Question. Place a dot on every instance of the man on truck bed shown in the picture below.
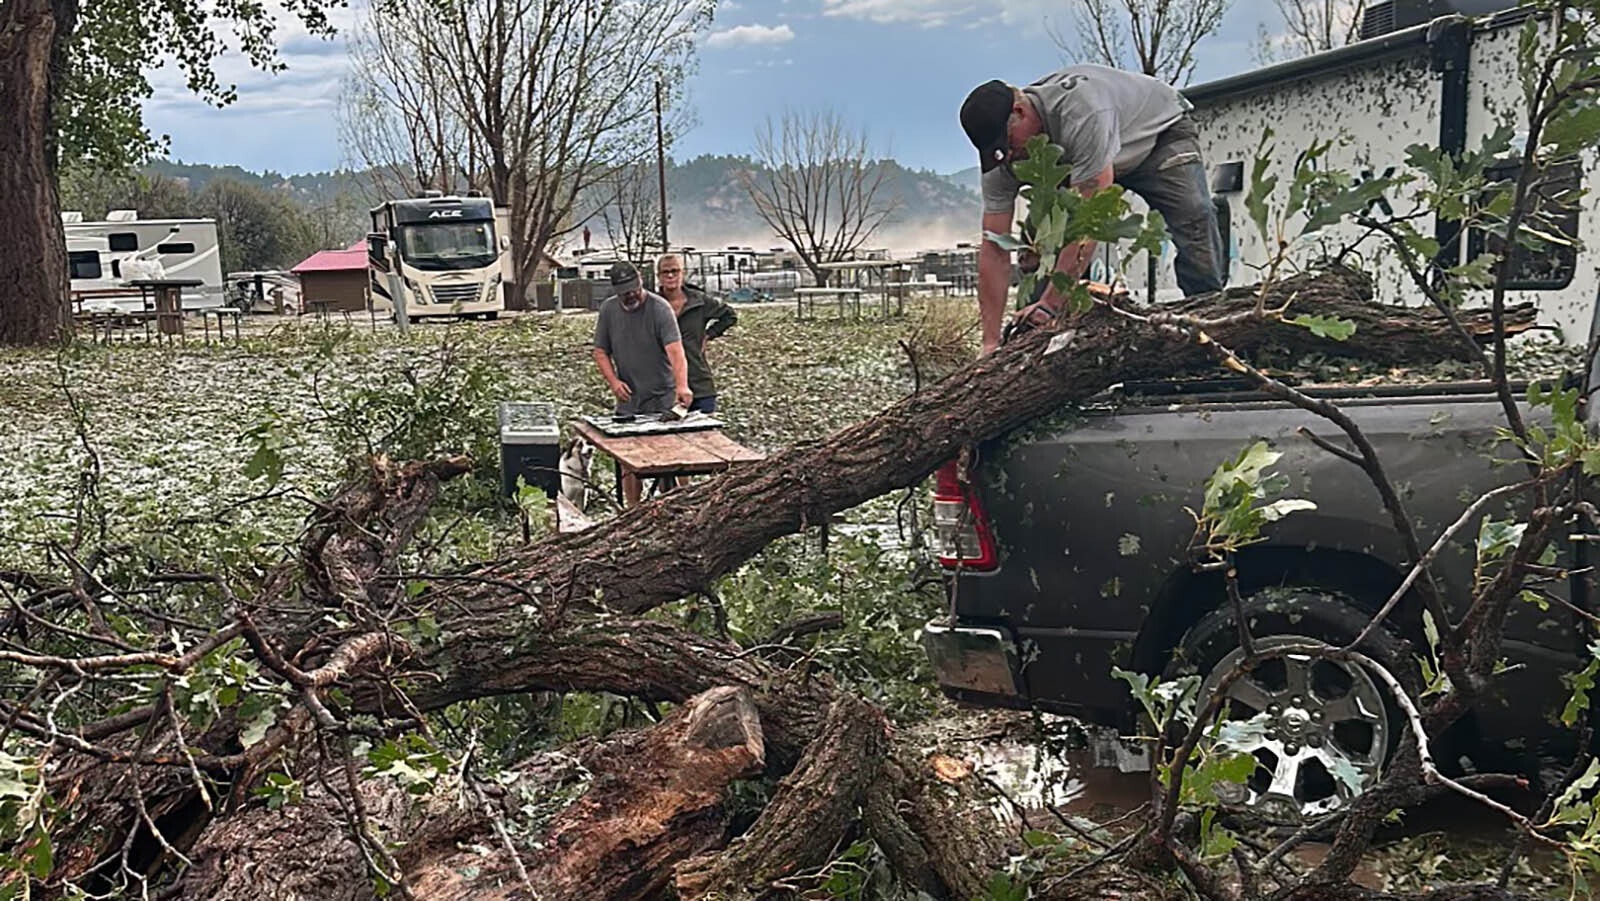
(1112, 126)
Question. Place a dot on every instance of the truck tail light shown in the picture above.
(961, 529)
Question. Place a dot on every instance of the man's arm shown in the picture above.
(680, 372)
(994, 279)
(1075, 258)
(602, 361)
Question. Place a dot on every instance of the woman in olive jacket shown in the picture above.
(701, 317)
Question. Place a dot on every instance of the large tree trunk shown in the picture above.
(33, 250)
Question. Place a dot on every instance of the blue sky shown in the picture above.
(898, 67)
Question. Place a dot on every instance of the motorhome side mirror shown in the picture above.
(505, 242)
(378, 251)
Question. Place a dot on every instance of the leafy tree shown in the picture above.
(71, 79)
(257, 229)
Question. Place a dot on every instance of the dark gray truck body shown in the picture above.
(1094, 563)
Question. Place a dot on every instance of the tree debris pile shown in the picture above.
(291, 741)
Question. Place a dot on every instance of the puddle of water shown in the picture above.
(1040, 770)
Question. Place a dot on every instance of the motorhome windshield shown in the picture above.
(454, 245)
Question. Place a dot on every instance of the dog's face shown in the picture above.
(579, 453)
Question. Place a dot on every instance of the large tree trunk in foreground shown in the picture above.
(536, 622)
(33, 249)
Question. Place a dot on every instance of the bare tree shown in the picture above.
(630, 210)
(532, 101)
(1155, 37)
(817, 187)
(1310, 26)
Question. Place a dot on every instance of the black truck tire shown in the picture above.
(1330, 727)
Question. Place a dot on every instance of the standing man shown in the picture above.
(639, 352)
(701, 318)
(1112, 127)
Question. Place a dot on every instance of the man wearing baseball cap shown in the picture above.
(639, 352)
(1112, 127)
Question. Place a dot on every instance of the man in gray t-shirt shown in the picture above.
(1112, 127)
(639, 352)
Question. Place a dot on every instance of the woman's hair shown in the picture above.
(670, 255)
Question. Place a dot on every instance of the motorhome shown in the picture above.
(1443, 74)
(97, 253)
(451, 253)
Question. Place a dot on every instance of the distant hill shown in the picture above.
(970, 179)
(708, 202)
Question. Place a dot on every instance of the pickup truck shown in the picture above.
(1067, 554)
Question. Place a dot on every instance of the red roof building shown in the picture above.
(336, 276)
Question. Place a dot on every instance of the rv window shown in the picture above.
(1551, 266)
(83, 264)
(123, 241)
(175, 247)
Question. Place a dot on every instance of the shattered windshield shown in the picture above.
(453, 245)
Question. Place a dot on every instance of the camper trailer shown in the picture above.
(98, 252)
(1440, 73)
(451, 252)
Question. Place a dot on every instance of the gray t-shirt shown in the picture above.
(637, 344)
(1097, 116)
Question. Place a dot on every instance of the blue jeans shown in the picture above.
(706, 404)
(1172, 180)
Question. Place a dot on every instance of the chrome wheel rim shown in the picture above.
(1317, 729)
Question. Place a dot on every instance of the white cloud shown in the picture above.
(742, 35)
(934, 13)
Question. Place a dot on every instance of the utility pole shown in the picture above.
(661, 167)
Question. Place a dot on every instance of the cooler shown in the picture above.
(530, 446)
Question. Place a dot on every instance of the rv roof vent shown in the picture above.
(1383, 17)
(1377, 19)
(71, 216)
(122, 216)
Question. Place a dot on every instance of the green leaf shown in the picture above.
(1215, 841)
(1038, 838)
(1326, 326)
(1004, 242)
(1042, 170)
(1573, 129)
(40, 854)
(1590, 777)
(1261, 188)
(1279, 509)
(1340, 768)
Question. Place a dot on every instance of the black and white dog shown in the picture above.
(575, 463)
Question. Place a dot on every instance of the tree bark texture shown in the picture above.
(1384, 334)
(33, 249)
(799, 829)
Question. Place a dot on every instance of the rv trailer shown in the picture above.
(97, 252)
(1425, 74)
(451, 253)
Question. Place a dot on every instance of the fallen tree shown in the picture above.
(141, 794)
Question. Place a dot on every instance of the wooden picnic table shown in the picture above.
(802, 295)
(660, 454)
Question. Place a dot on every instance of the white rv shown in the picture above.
(1420, 76)
(452, 252)
(169, 248)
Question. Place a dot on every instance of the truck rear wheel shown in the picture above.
(1326, 729)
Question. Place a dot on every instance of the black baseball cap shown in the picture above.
(624, 277)
(984, 117)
